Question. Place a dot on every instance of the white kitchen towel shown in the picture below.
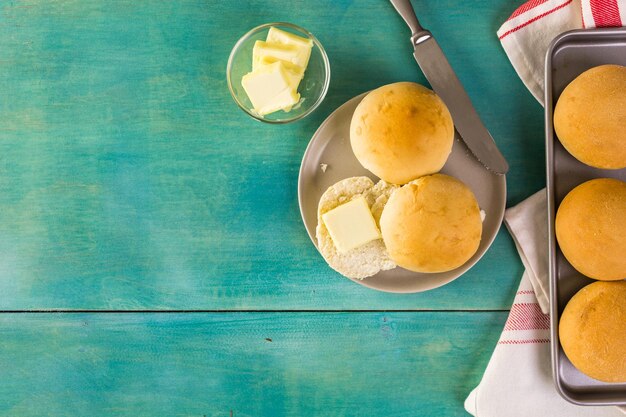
(518, 379)
(528, 224)
(526, 35)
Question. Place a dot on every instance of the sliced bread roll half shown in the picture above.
(365, 260)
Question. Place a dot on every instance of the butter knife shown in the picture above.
(446, 84)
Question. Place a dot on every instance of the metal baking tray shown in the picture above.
(570, 54)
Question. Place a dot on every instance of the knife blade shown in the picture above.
(446, 84)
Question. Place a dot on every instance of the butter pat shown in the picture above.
(270, 88)
(293, 56)
(293, 72)
(278, 66)
(303, 45)
(351, 225)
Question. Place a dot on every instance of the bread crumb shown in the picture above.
(323, 167)
(482, 215)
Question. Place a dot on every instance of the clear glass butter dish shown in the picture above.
(309, 89)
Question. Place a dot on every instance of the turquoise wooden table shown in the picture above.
(152, 256)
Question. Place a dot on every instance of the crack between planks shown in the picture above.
(218, 311)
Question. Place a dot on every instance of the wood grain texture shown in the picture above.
(255, 364)
(130, 180)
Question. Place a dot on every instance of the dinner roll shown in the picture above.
(592, 331)
(365, 260)
(591, 228)
(590, 117)
(431, 224)
(401, 131)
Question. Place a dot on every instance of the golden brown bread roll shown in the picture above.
(402, 131)
(591, 228)
(592, 331)
(590, 117)
(431, 224)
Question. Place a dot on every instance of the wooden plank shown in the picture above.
(130, 180)
(247, 364)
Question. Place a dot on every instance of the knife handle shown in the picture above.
(405, 9)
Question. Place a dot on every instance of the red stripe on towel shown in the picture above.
(534, 19)
(523, 342)
(605, 13)
(529, 5)
(527, 316)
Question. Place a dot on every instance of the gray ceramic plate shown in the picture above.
(330, 146)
